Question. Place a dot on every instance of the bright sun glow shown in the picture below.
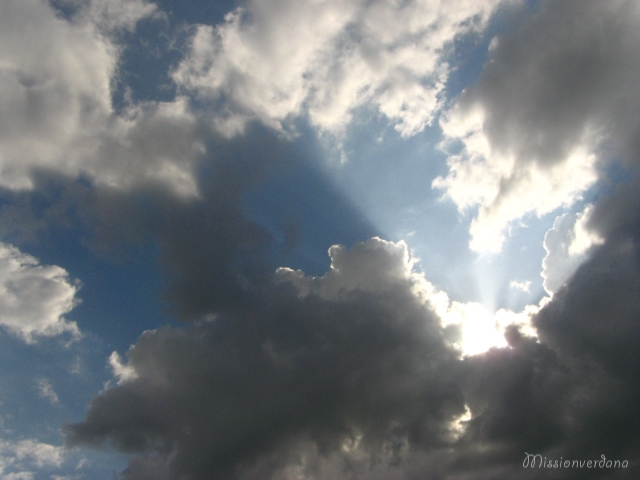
(480, 329)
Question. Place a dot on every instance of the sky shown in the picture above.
(319, 239)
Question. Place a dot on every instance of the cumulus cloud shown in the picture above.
(354, 373)
(348, 375)
(555, 101)
(34, 297)
(276, 60)
(361, 372)
(56, 81)
(472, 328)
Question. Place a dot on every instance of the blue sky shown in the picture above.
(281, 240)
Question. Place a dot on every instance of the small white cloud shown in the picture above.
(34, 297)
(76, 366)
(524, 286)
(45, 388)
(124, 372)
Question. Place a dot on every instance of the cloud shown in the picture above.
(568, 244)
(556, 101)
(17, 459)
(274, 61)
(349, 371)
(56, 91)
(45, 388)
(121, 371)
(471, 328)
(355, 374)
(592, 323)
(111, 15)
(524, 286)
(359, 373)
(348, 375)
(34, 297)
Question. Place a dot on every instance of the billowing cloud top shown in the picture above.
(275, 60)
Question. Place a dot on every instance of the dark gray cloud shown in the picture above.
(593, 324)
(567, 70)
(366, 367)
(348, 376)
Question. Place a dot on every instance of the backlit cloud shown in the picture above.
(56, 86)
(276, 60)
(554, 103)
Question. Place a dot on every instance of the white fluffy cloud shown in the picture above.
(56, 78)
(34, 297)
(557, 98)
(275, 59)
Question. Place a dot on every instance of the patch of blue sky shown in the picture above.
(44, 386)
(119, 295)
(306, 210)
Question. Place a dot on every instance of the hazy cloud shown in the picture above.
(19, 459)
(45, 388)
